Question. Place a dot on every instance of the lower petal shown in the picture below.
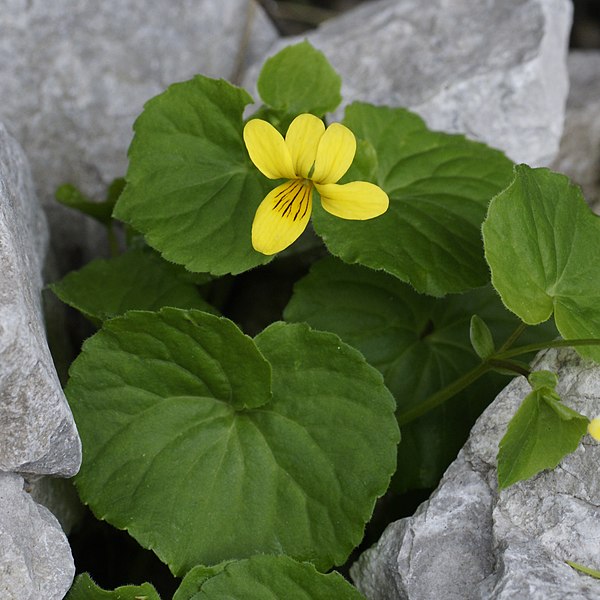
(282, 216)
(358, 200)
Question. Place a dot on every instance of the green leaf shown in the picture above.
(540, 434)
(541, 240)
(562, 410)
(137, 279)
(481, 337)
(115, 189)
(191, 188)
(265, 578)
(69, 195)
(365, 164)
(190, 586)
(539, 380)
(419, 343)
(84, 588)
(299, 79)
(439, 187)
(193, 447)
(584, 569)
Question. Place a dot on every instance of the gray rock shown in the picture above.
(60, 497)
(493, 70)
(38, 432)
(35, 558)
(470, 542)
(76, 74)
(579, 155)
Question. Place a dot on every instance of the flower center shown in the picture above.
(294, 200)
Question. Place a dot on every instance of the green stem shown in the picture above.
(512, 338)
(584, 569)
(510, 365)
(500, 359)
(113, 243)
(549, 344)
(494, 361)
(444, 394)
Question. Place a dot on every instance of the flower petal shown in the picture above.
(302, 139)
(335, 154)
(358, 200)
(282, 216)
(268, 150)
(594, 428)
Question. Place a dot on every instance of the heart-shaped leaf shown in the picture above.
(542, 242)
(264, 578)
(138, 279)
(419, 343)
(191, 188)
(208, 446)
(439, 187)
(299, 79)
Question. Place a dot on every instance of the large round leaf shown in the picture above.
(439, 187)
(419, 343)
(191, 188)
(208, 446)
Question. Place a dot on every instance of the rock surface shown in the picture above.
(579, 155)
(74, 77)
(76, 74)
(38, 432)
(60, 497)
(493, 70)
(35, 558)
(470, 542)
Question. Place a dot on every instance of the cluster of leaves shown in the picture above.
(251, 465)
(263, 577)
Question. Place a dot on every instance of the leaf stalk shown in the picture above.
(498, 360)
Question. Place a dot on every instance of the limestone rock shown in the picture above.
(493, 70)
(470, 542)
(35, 558)
(38, 433)
(60, 497)
(76, 74)
(579, 155)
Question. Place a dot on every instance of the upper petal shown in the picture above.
(335, 154)
(268, 150)
(282, 216)
(302, 139)
(358, 200)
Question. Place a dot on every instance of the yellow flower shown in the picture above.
(309, 157)
(594, 428)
